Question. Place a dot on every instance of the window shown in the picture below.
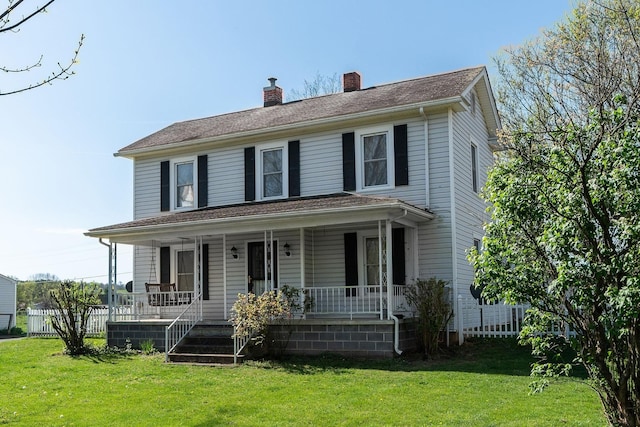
(372, 261)
(272, 173)
(375, 159)
(477, 244)
(374, 155)
(185, 270)
(184, 185)
(474, 168)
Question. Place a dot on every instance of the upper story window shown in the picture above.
(184, 185)
(272, 173)
(374, 156)
(375, 159)
(474, 168)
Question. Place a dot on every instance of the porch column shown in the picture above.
(224, 275)
(389, 253)
(302, 271)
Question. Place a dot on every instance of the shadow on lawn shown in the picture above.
(488, 356)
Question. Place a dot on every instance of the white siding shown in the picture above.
(146, 188)
(470, 208)
(7, 302)
(434, 236)
(321, 164)
(213, 308)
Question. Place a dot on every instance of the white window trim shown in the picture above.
(359, 149)
(173, 182)
(285, 169)
(174, 259)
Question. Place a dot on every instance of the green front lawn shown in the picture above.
(485, 384)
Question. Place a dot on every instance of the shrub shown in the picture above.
(74, 301)
(251, 314)
(430, 300)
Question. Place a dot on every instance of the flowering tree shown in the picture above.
(565, 197)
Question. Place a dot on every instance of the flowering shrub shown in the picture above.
(251, 314)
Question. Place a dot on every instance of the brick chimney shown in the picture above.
(272, 94)
(351, 81)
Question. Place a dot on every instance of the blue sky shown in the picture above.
(148, 63)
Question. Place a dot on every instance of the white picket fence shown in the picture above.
(39, 321)
(495, 320)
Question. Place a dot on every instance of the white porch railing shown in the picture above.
(182, 324)
(151, 305)
(352, 300)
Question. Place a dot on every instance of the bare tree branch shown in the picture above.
(63, 72)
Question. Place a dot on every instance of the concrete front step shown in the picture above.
(203, 358)
(205, 344)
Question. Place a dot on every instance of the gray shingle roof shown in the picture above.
(309, 205)
(408, 92)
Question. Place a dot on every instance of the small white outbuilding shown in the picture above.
(8, 295)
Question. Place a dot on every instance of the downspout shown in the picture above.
(110, 306)
(396, 321)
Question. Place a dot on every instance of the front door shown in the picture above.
(262, 267)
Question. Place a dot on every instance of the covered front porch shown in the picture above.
(349, 256)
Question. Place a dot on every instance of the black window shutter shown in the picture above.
(351, 262)
(205, 271)
(294, 168)
(165, 264)
(401, 154)
(203, 181)
(397, 256)
(165, 204)
(249, 174)
(348, 161)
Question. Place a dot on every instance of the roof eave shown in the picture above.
(273, 221)
(455, 100)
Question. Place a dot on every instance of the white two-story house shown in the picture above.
(348, 197)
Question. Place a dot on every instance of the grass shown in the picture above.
(484, 384)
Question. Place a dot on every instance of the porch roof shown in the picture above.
(340, 208)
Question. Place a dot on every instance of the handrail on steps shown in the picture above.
(182, 324)
(239, 343)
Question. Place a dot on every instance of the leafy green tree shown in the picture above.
(565, 197)
(75, 302)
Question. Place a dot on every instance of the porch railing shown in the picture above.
(151, 305)
(351, 300)
(182, 324)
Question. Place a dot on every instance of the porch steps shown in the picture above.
(207, 344)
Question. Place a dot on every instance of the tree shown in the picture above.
(320, 85)
(74, 302)
(8, 24)
(565, 198)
